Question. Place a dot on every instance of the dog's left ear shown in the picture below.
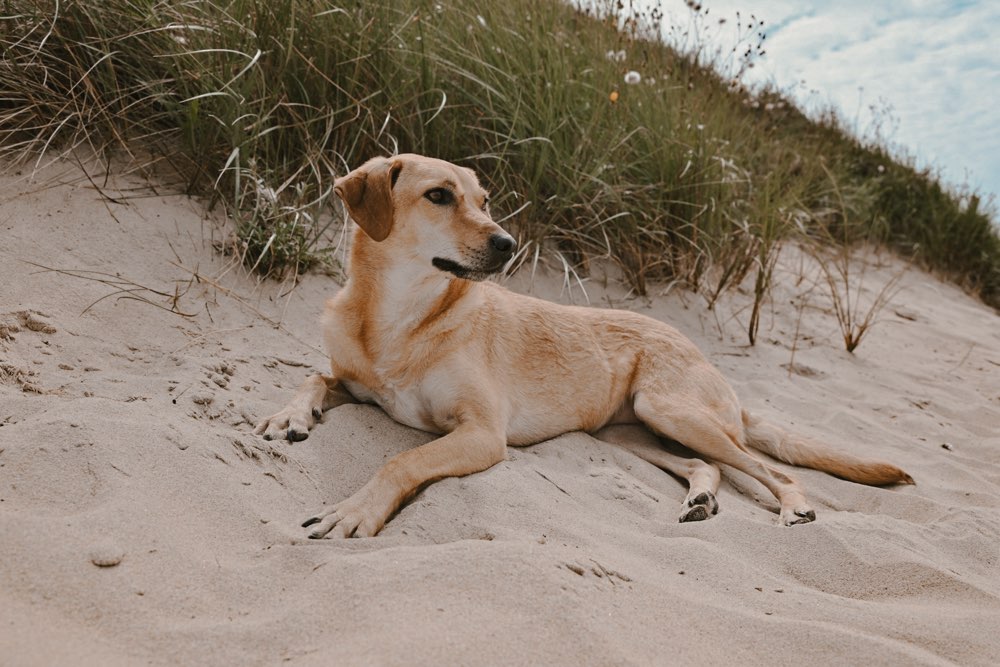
(367, 192)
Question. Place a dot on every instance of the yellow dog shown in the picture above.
(418, 331)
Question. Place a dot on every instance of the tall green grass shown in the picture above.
(684, 176)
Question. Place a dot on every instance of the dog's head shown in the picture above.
(427, 210)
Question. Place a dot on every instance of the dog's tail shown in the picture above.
(799, 451)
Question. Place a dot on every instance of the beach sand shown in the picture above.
(141, 521)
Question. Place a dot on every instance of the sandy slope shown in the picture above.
(124, 433)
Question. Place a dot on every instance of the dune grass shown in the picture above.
(683, 176)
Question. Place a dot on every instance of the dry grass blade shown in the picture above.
(123, 289)
(199, 278)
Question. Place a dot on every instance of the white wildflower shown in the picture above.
(881, 169)
(266, 193)
(633, 77)
(616, 56)
(482, 21)
(769, 107)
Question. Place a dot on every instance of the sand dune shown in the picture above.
(125, 440)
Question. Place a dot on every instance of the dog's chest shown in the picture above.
(388, 381)
(407, 405)
(385, 362)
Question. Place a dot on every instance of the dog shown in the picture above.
(418, 331)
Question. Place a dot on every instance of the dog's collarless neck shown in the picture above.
(401, 304)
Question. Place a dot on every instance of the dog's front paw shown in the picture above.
(292, 423)
(348, 518)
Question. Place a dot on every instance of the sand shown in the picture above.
(141, 521)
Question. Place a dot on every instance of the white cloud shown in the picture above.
(934, 63)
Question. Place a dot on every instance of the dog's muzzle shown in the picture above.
(498, 251)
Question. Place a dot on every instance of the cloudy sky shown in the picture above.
(935, 63)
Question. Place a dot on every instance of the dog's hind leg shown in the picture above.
(702, 478)
(317, 394)
(706, 432)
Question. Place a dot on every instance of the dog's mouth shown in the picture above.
(466, 272)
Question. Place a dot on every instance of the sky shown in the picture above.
(934, 64)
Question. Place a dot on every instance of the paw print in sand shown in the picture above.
(24, 378)
(10, 324)
(220, 373)
(217, 375)
(32, 320)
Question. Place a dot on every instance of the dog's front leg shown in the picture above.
(316, 395)
(469, 448)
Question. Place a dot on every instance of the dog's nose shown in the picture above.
(503, 244)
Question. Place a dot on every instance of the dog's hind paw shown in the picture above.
(797, 516)
(702, 506)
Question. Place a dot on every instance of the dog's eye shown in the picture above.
(439, 196)
(486, 205)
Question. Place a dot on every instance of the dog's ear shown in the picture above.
(367, 192)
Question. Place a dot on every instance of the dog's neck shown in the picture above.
(400, 298)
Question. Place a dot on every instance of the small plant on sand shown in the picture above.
(281, 228)
(844, 268)
(844, 273)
